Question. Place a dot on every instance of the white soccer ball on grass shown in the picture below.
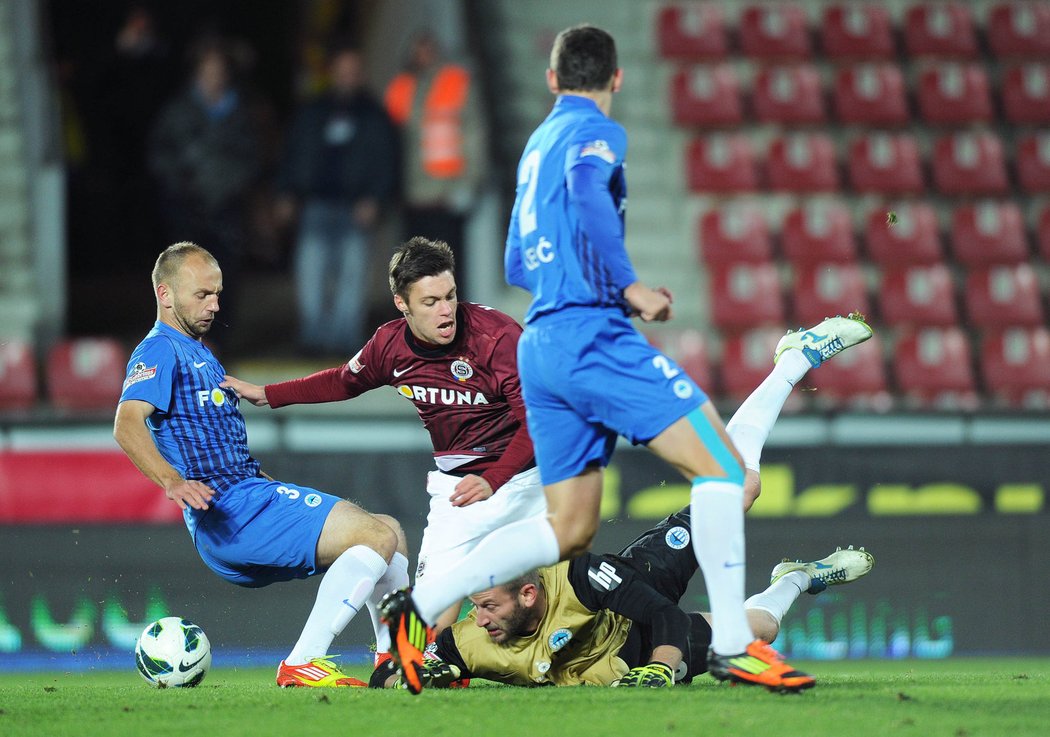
(173, 653)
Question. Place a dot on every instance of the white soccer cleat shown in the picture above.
(840, 567)
(821, 342)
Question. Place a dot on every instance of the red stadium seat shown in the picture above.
(788, 94)
(1020, 30)
(688, 348)
(822, 290)
(86, 373)
(886, 163)
(692, 31)
(934, 367)
(871, 94)
(18, 380)
(733, 234)
(969, 163)
(988, 233)
(857, 31)
(856, 379)
(918, 296)
(940, 29)
(1043, 233)
(747, 359)
(819, 232)
(1004, 296)
(774, 32)
(1026, 94)
(803, 162)
(951, 94)
(1015, 366)
(706, 96)
(722, 163)
(745, 296)
(913, 239)
(1033, 162)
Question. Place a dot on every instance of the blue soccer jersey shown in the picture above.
(548, 251)
(197, 426)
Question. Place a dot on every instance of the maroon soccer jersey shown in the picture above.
(467, 393)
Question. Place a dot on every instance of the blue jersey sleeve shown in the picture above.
(589, 193)
(150, 373)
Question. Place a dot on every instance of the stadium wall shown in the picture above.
(957, 536)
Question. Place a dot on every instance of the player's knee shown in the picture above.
(575, 535)
(399, 532)
(382, 538)
(763, 624)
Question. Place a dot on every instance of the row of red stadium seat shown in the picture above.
(747, 295)
(868, 94)
(854, 30)
(927, 367)
(80, 374)
(965, 163)
(980, 234)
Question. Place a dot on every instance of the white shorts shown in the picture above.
(452, 532)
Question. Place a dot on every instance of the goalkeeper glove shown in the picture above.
(653, 675)
(438, 674)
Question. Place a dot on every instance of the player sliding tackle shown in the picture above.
(555, 626)
(587, 376)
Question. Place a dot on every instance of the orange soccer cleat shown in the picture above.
(318, 673)
(759, 665)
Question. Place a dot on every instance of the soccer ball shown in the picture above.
(172, 653)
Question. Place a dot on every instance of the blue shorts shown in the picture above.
(587, 376)
(258, 531)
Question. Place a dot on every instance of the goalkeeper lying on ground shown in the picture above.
(610, 619)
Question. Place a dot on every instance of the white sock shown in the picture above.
(395, 579)
(508, 552)
(717, 510)
(343, 591)
(751, 424)
(778, 598)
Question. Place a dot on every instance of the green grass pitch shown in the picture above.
(954, 698)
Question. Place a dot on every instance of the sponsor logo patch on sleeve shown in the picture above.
(139, 372)
(600, 149)
(355, 363)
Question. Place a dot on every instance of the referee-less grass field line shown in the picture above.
(954, 698)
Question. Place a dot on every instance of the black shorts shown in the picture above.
(664, 557)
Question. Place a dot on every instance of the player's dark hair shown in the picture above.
(531, 577)
(583, 58)
(416, 258)
(171, 259)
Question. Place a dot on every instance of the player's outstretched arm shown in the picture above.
(253, 393)
(131, 434)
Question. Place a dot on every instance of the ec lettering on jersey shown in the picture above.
(604, 576)
(434, 395)
(139, 372)
(541, 253)
(216, 396)
(600, 149)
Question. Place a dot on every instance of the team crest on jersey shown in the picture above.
(559, 639)
(600, 149)
(461, 370)
(312, 500)
(677, 538)
(139, 372)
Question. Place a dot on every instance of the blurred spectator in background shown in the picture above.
(436, 103)
(132, 84)
(203, 153)
(339, 169)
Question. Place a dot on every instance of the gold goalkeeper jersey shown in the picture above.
(572, 645)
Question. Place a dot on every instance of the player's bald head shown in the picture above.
(173, 257)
